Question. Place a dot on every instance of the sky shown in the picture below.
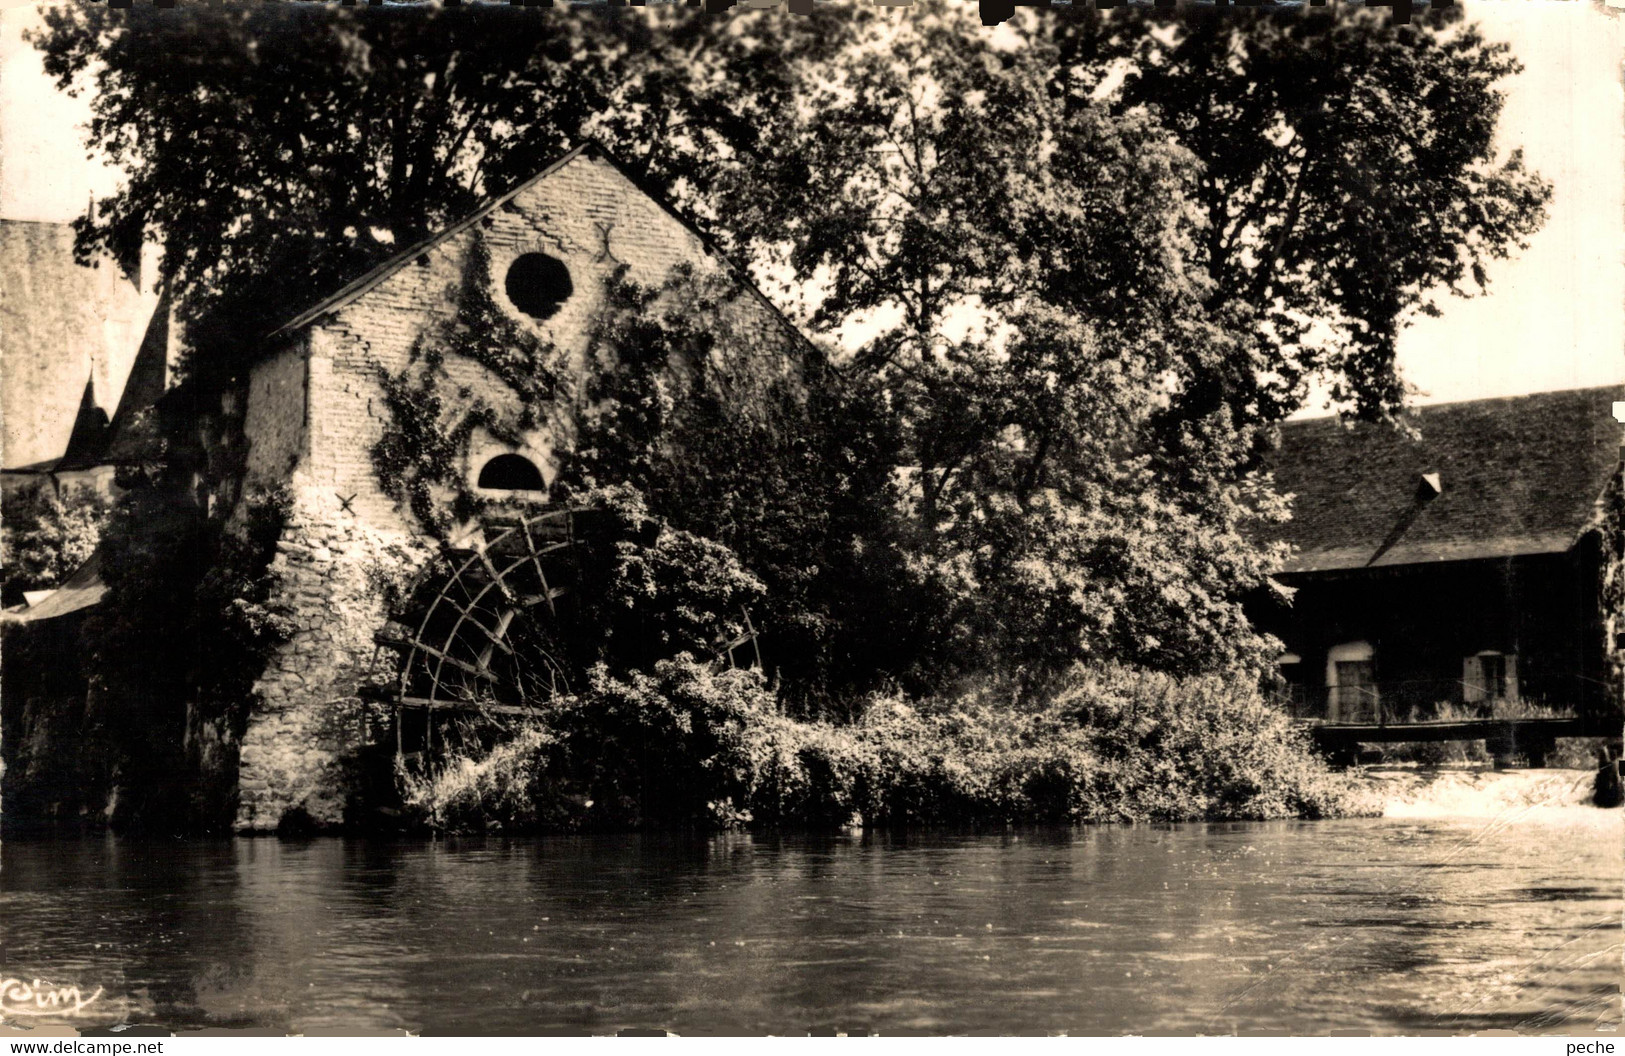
(1554, 316)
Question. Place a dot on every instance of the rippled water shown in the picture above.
(1391, 925)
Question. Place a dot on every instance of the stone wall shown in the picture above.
(309, 730)
(318, 407)
(274, 417)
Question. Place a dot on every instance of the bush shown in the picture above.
(507, 787)
(1205, 746)
(46, 536)
(692, 746)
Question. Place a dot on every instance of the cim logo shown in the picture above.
(19, 998)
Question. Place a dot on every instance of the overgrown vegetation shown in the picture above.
(185, 629)
(1611, 541)
(1037, 466)
(45, 535)
(687, 745)
(420, 457)
(745, 435)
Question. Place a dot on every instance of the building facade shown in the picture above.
(1463, 560)
(315, 408)
(79, 364)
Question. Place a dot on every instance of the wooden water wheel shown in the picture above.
(485, 634)
(496, 629)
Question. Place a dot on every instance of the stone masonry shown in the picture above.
(315, 410)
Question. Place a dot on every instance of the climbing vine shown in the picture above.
(419, 459)
(729, 427)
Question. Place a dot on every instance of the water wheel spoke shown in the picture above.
(494, 637)
(461, 665)
(473, 603)
(552, 595)
(436, 704)
(480, 644)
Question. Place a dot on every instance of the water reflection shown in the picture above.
(1376, 925)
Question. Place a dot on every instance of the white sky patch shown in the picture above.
(1554, 315)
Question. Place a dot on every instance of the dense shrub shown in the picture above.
(45, 536)
(508, 786)
(793, 470)
(660, 591)
(689, 745)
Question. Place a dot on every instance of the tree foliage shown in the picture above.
(790, 470)
(1081, 266)
(46, 535)
(1348, 178)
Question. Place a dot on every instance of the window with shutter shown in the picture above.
(1494, 668)
(1472, 680)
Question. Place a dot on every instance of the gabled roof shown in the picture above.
(88, 441)
(389, 267)
(147, 383)
(1518, 475)
(400, 260)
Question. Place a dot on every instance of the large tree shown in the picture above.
(1098, 259)
(275, 151)
(1349, 177)
(1088, 261)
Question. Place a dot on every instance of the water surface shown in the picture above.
(1386, 925)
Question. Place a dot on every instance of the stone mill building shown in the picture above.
(310, 410)
(314, 412)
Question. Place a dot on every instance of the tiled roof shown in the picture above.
(1519, 475)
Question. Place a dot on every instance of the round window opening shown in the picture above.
(538, 284)
(511, 473)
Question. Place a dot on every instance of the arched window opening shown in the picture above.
(538, 285)
(511, 473)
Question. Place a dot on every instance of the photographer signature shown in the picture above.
(39, 998)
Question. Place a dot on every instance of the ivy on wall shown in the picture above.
(188, 623)
(727, 427)
(421, 456)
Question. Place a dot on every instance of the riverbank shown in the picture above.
(690, 747)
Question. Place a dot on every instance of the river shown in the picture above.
(1450, 920)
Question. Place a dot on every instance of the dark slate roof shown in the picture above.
(1519, 475)
(147, 383)
(88, 441)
